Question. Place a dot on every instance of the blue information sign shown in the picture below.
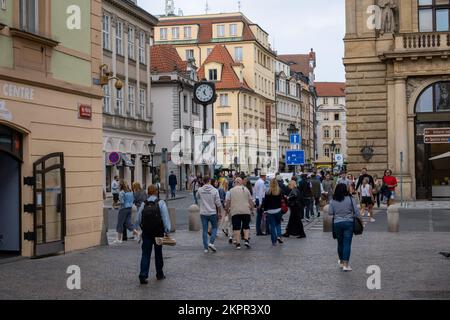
(296, 139)
(295, 157)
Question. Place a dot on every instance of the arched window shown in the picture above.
(435, 98)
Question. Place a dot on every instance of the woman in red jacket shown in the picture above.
(391, 182)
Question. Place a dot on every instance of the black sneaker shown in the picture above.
(247, 244)
(143, 281)
(160, 277)
(230, 241)
(280, 241)
(238, 246)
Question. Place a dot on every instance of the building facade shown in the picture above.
(331, 123)
(51, 160)
(398, 72)
(127, 113)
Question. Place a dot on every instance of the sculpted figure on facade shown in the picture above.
(389, 10)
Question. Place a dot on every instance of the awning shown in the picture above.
(442, 156)
(126, 161)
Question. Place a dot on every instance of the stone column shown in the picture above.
(401, 126)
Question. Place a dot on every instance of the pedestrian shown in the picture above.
(343, 209)
(139, 194)
(352, 187)
(361, 178)
(367, 199)
(272, 205)
(173, 182)
(317, 190)
(209, 202)
(295, 224)
(259, 193)
(115, 190)
(225, 222)
(154, 221)
(328, 187)
(240, 205)
(307, 196)
(377, 189)
(126, 200)
(391, 183)
(343, 179)
(248, 184)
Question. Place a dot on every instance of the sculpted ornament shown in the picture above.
(389, 10)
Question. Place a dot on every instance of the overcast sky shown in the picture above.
(295, 26)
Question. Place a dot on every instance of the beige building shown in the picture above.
(51, 160)
(127, 113)
(398, 83)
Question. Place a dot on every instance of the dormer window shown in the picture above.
(220, 31)
(212, 75)
(233, 30)
(175, 33)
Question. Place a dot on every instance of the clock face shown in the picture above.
(204, 93)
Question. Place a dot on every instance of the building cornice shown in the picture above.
(134, 11)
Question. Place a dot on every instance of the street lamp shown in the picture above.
(333, 148)
(151, 148)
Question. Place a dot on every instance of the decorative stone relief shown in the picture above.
(389, 16)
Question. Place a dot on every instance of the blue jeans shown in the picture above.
(309, 205)
(173, 189)
(147, 246)
(275, 226)
(195, 197)
(344, 233)
(205, 221)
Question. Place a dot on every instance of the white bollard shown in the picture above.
(393, 218)
(194, 218)
(327, 219)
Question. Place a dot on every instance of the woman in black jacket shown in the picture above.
(295, 225)
(272, 205)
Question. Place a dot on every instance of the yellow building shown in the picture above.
(50, 127)
(196, 37)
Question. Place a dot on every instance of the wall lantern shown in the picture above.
(106, 76)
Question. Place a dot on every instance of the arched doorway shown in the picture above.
(432, 112)
(10, 191)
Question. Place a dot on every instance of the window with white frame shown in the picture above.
(189, 54)
(185, 103)
(106, 99)
(326, 116)
(337, 150)
(131, 46)
(142, 54)
(119, 101)
(212, 74)
(175, 33)
(233, 30)
(224, 100)
(326, 133)
(119, 38)
(106, 32)
(224, 128)
(325, 100)
(208, 51)
(220, 31)
(336, 100)
(163, 33)
(187, 32)
(131, 100)
(326, 152)
(142, 103)
(337, 133)
(29, 15)
(238, 54)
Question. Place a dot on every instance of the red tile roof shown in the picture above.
(205, 24)
(330, 89)
(230, 79)
(299, 62)
(165, 58)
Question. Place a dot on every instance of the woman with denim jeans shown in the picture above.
(343, 208)
(126, 200)
(272, 205)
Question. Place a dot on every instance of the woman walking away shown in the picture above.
(126, 200)
(140, 196)
(367, 199)
(225, 223)
(272, 205)
(343, 209)
(295, 225)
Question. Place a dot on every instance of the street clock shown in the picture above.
(205, 93)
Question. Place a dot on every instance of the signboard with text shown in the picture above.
(437, 135)
(85, 112)
(295, 157)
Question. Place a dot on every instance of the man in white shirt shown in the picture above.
(259, 192)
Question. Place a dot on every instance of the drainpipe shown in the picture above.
(239, 125)
(180, 91)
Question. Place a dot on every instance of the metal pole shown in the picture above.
(401, 179)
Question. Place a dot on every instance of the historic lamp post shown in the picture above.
(333, 148)
(151, 148)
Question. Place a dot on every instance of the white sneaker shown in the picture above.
(117, 242)
(206, 251)
(372, 220)
(347, 269)
(212, 247)
(341, 265)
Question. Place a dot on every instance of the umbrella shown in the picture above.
(442, 156)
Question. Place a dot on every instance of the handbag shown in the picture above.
(284, 207)
(358, 227)
(166, 241)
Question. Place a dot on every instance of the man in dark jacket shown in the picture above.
(173, 183)
(362, 177)
(307, 196)
(316, 188)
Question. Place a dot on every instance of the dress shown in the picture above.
(295, 225)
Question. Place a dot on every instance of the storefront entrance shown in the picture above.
(432, 112)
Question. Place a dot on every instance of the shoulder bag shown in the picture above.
(358, 227)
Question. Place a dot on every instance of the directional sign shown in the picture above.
(437, 132)
(436, 140)
(339, 159)
(295, 157)
(296, 139)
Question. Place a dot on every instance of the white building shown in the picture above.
(331, 122)
(127, 115)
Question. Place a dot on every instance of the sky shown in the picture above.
(294, 26)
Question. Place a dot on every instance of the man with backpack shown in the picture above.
(153, 219)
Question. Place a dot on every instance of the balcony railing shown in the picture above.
(423, 41)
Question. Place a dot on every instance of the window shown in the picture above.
(163, 33)
(337, 134)
(337, 150)
(212, 74)
(142, 54)
(119, 37)
(224, 100)
(187, 32)
(220, 31)
(336, 117)
(224, 128)
(185, 103)
(119, 101)
(326, 133)
(435, 98)
(233, 30)
(208, 51)
(175, 33)
(106, 99)
(106, 32)
(142, 102)
(131, 100)
(325, 100)
(434, 15)
(131, 39)
(326, 151)
(326, 117)
(29, 15)
(336, 100)
(189, 54)
(195, 109)
(238, 54)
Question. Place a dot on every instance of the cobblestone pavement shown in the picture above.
(411, 268)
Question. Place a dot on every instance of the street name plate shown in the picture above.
(433, 140)
(437, 132)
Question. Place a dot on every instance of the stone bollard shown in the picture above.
(327, 220)
(173, 219)
(393, 218)
(105, 227)
(194, 218)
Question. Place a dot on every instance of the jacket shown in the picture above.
(209, 200)
(240, 201)
(173, 180)
(272, 202)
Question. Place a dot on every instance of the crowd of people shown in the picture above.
(228, 203)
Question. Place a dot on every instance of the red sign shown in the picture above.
(114, 158)
(85, 111)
